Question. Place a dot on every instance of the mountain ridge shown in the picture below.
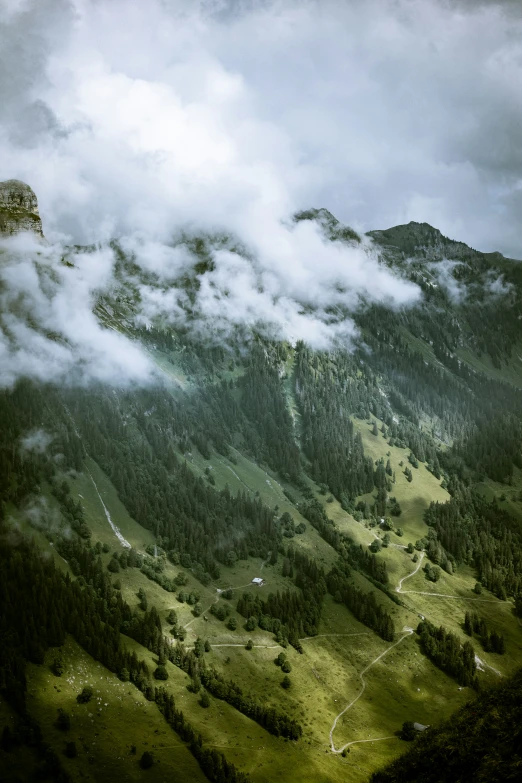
(19, 212)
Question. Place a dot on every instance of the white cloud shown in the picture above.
(138, 116)
(135, 120)
(497, 286)
(296, 283)
(48, 331)
(443, 272)
(36, 441)
(42, 516)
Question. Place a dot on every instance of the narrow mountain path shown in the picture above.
(330, 635)
(399, 586)
(455, 597)
(406, 632)
(220, 590)
(278, 646)
(207, 609)
(378, 538)
(258, 646)
(374, 739)
(399, 589)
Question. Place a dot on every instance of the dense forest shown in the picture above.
(476, 531)
(448, 653)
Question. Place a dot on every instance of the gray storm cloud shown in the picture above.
(132, 116)
(133, 120)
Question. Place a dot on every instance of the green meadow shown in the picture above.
(106, 729)
(402, 685)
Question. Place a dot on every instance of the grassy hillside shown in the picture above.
(481, 742)
(110, 732)
(402, 686)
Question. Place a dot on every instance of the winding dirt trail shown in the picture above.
(406, 632)
(207, 609)
(330, 635)
(220, 590)
(258, 646)
(374, 535)
(399, 589)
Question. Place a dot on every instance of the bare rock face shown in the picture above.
(18, 209)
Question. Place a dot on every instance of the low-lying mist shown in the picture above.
(289, 284)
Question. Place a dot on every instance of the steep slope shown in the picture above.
(481, 743)
(472, 301)
(369, 490)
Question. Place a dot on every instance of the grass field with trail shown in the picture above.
(220, 397)
(404, 685)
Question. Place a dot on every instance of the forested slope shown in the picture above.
(327, 473)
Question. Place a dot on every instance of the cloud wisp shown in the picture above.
(48, 331)
(293, 284)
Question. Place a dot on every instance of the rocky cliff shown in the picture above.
(18, 209)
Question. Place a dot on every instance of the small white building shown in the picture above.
(258, 581)
(420, 727)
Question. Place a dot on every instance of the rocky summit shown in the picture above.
(18, 209)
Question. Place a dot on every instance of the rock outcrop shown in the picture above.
(18, 209)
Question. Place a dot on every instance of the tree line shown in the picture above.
(491, 640)
(446, 651)
(473, 530)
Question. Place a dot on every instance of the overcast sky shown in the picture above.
(131, 119)
(137, 116)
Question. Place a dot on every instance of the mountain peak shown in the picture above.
(18, 209)
(421, 239)
(331, 227)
